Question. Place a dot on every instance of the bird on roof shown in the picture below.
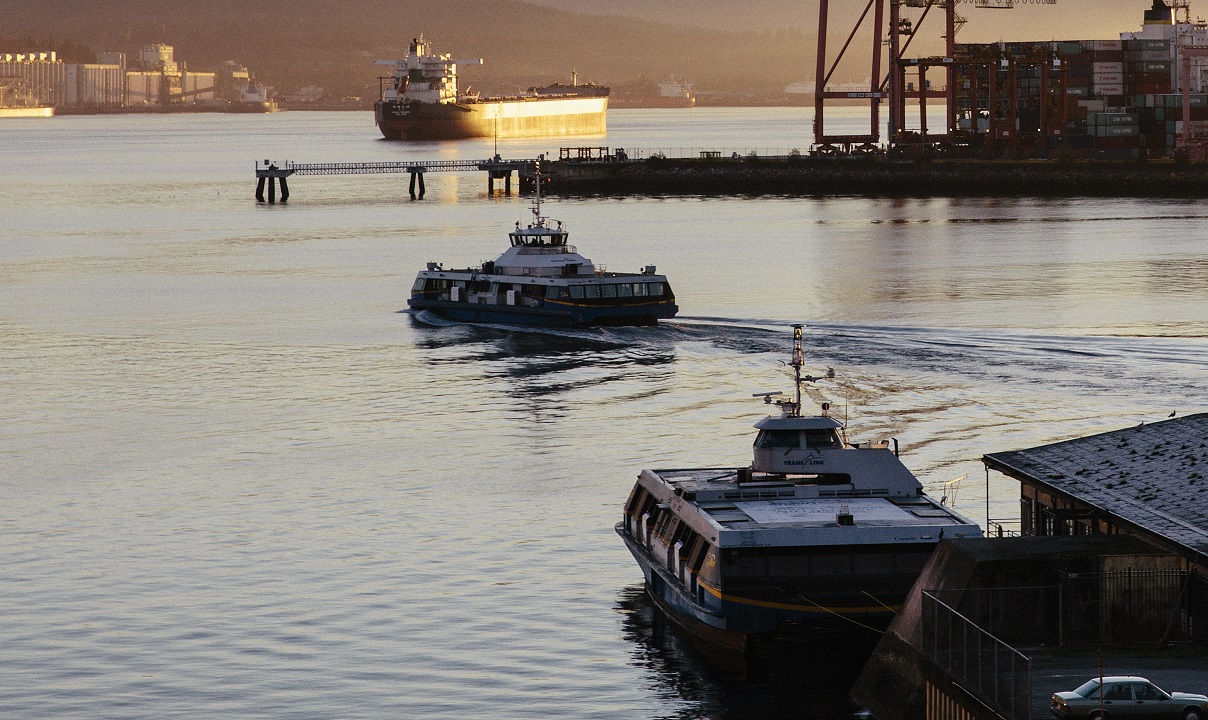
(1172, 413)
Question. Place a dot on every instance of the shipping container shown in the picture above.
(1116, 131)
(1098, 45)
(1109, 90)
(1199, 129)
(1108, 56)
(1108, 79)
(1105, 119)
(1108, 67)
(1131, 141)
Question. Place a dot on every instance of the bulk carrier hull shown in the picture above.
(512, 117)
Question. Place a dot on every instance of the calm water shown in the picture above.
(237, 481)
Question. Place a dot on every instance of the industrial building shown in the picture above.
(154, 81)
(1149, 481)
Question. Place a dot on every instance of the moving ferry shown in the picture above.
(543, 280)
(809, 549)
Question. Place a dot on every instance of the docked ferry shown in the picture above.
(421, 100)
(810, 549)
(543, 280)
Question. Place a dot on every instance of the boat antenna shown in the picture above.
(539, 221)
(792, 408)
(797, 361)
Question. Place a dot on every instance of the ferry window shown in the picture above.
(576, 291)
(911, 563)
(777, 439)
(554, 292)
(608, 291)
(667, 525)
(419, 285)
(839, 564)
(625, 290)
(592, 291)
(654, 289)
(636, 498)
(639, 289)
(876, 563)
(788, 565)
(820, 438)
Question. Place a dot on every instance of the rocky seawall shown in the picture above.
(877, 177)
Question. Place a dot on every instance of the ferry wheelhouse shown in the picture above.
(541, 279)
(817, 541)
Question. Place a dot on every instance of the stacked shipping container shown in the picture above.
(1118, 94)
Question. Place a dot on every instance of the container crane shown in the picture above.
(892, 86)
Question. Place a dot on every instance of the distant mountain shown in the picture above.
(334, 43)
(1028, 20)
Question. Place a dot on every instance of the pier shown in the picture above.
(270, 172)
(1107, 577)
(598, 172)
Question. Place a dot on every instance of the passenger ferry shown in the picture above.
(810, 549)
(543, 280)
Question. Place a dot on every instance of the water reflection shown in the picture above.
(716, 688)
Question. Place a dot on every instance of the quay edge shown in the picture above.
(906, 677)
(877, 177)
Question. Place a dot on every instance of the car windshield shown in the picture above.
(1088, 688)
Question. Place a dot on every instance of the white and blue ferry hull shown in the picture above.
(757, 628)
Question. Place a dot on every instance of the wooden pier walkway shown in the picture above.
(496, 168)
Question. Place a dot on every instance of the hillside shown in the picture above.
(334, 44)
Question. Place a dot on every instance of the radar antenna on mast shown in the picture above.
(792, 408)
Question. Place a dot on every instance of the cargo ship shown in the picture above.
(671, 94)
(421, 100)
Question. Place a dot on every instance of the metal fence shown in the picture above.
(1083, 609)
(996, 672)
(1129, 606)
(744, 153)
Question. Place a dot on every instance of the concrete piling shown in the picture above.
(411, 188)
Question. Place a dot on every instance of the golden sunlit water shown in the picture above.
(236, 480)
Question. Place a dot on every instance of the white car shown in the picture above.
(1128, 698)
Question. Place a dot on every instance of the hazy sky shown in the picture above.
(1067, 19)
